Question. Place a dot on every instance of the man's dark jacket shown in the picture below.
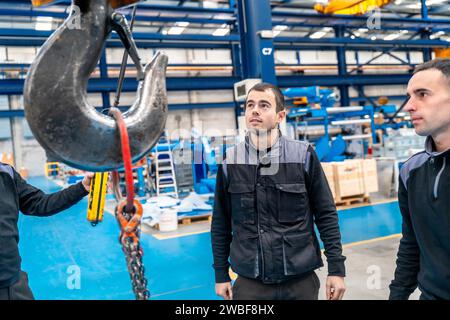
(15, 195)
(423, 258)
(264, 214)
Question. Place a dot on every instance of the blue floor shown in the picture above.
(177, 268)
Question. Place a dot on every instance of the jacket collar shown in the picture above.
(429, 148)
(274, 151)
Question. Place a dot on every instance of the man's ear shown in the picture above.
(281, 115)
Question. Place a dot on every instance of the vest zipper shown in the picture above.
(259, 229)
(438, 178)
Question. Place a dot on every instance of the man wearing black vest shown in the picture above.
(270, 192)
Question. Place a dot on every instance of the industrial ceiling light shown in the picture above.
(178, 29)
(44, 23)
(210, 4)
(391, 36)
(278, 29)
(222, 31)
(437, 35)
(394, 36)
(320, 34)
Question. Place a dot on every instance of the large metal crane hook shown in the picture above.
(55, 93)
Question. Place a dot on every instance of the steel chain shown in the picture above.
(133, 254)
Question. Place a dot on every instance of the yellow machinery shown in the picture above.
(114, 3)
(350, 7)
(442, 52)
(52, 169)
(97, 197)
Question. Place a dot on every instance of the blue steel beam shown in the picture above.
(37, 42)
(157, 8)
(342, 67)
(29, 12)
(350, 80)
(9, 36)
(157, 44)
(326, 20)
(425, 33)
(5, 67)
(257, 53)
(361, 21)
(10, 32)
(362, 42)
(15, 86)
(187, 106)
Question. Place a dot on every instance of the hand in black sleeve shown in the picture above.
(408, 256)
(325, 214)
(33, 201)
(221, 229)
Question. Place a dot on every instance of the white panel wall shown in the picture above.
(380, 90)
(286, 57)
(209, 122)
(20, 54)
(318, 57)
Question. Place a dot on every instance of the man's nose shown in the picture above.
(255, 111)
(410, 106)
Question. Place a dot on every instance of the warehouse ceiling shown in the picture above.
(218, 20)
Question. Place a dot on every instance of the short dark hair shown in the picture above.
(279, 97)
(441, 64)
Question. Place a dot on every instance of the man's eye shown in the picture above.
(265, 106)
(250, 105)
(423, 94)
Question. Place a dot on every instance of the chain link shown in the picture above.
(133, 255)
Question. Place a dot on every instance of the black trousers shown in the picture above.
(18, 291)
(304, 288)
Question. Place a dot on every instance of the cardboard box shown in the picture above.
(329, 173)
(349, 179)
(370, 175)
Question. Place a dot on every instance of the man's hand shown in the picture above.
(87, 180)
(224, 290)
(335, 288)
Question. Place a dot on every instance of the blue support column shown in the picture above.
(360, 89)
(425, 34)
(236, 59)
(257, 54)
(342, 67)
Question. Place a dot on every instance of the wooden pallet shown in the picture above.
(193, 219)
(348, 201)
(190, 220)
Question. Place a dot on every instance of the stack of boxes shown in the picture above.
(351, 178)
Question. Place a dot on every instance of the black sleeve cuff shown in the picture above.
(336, 268)
(81, 189)
(222, 275)
(398, 296)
